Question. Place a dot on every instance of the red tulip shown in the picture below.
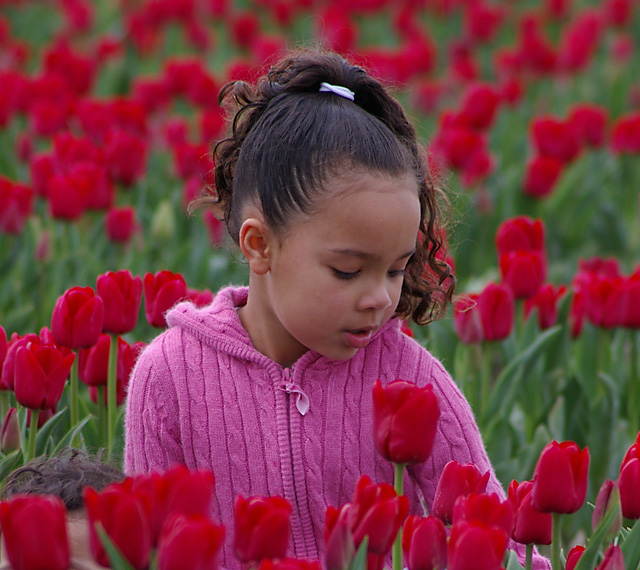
(120, 224)
(520, 233)
(7, 380)
(483, 20)
(424, 543)
(16, 205)
(523, 272)
(573, 556)
(378, 512)
(3, 346)
(10, 438)
(496, 305)
(405, 419)
(488, 509)
(560, 478)
(177, 490)
(189, 542)
(262, 528)
(455, 481)
(476, 546)
(41, 372)
(629, 480)
(35, 532)
(531, 525)
(631, 292)
(545, 302)
(556, 138)
(625, 134)
(200, 298)
(161, 292)
(590, 122)
(77, 318)
(68, 195)
(340, 547)
(604, 300)
(613, 559)
(126, 156)
(121, 294)
(541, 175)
(479, 106)
(125, 517)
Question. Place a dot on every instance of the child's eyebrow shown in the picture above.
(365, 255)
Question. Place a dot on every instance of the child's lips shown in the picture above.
(359, 338)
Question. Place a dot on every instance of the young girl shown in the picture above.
(324, 187)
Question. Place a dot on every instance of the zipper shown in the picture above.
(305, 546)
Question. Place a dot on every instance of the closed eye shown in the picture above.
(344, 274)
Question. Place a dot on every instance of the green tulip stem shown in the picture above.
(102, 416)
(74, 406)
(4, 403)
(112, 407)
(485, 379)
(528, 561)
(632, 395)
(555, 543)
(33, 432)
(398, 485)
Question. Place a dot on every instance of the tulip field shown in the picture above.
(529, 112)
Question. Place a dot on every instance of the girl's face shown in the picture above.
(335, 276)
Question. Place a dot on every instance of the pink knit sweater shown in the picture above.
(202, 395)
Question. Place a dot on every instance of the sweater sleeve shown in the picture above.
(458, 438)
(152, 437)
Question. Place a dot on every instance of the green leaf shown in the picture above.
(118, 562)
(360, 559)
(506, 387)
(9, 463)
(68, 437)
(631, 547)
(588, 559)
(42, 439)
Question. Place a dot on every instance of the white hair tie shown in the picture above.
(338, 90)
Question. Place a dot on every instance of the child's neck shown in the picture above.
(266, 333)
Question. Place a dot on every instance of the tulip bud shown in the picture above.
(613, 559)
(531, 525)
(10, 439)
(456, 480)
(338, 538)
(124, 516)
(405, 418)
(573, 556)
(261, 528)
(161, 292)
(608, 499)
(163, 223)
(77, 318)
(424, 543)
(629, 481)
(121, 294)
(476, 545)
(189, 541)
(560, 478)
(24, 517)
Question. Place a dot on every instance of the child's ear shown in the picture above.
(255, 240)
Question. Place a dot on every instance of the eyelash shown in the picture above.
(346, 276)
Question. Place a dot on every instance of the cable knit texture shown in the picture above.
(203, 396)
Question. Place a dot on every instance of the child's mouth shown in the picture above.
(358, 338)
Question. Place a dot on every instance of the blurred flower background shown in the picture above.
(529, 112)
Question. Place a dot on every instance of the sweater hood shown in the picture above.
(218, 324)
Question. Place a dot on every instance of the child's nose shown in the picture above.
(377, 298)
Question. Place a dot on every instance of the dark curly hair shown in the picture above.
(64, 475)
(288, 140)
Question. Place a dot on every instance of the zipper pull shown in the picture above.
(302, 400)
